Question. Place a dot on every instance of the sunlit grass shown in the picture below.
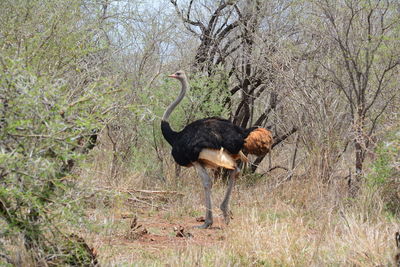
(302, 222)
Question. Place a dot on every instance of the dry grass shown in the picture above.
(301, 222)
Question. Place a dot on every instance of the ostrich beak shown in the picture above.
(172, 76)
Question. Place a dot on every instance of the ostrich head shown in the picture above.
(180, 75)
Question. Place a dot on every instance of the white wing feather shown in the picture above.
(217, 158)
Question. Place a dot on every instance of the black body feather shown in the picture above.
(168, 133)
(213, 132)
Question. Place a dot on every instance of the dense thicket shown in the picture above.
(55, 92)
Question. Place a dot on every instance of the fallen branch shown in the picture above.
(157, 192)
(144, 202)
(142, 191)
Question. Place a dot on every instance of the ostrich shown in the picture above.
(211, 143)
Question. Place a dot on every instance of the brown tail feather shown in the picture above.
(258, 142)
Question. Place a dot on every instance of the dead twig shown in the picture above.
(275, 167)
(136, 231)
(200, 219)
(133, 198)
(180, 232)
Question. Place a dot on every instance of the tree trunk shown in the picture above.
(359, 146)
(359, 158)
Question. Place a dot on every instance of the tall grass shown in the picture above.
(301, 222)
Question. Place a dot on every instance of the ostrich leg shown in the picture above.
(225, 203)
(207, 183)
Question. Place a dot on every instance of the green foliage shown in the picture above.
(208, 95)
(385, 174)
(381, 169)
(53, 98)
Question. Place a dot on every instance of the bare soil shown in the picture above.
(151, 232)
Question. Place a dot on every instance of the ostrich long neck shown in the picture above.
(166, 129)
(177, 100)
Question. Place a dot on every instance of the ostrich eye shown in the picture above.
(178, 73)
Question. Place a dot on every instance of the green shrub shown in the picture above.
(53, 99)
(385, 173)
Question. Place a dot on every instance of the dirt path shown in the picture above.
(153, 233)
(156, 231)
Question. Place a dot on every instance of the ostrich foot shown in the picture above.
(227, 216)
(205, 225)
(227, 219)
(226, 213)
